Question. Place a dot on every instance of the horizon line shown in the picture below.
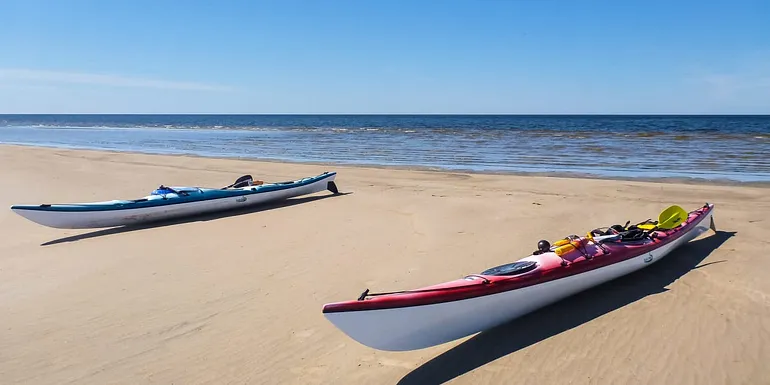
(377, 114)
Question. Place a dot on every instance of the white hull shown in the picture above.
(122, 217)
(419, 327)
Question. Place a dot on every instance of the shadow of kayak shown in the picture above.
(197, 218)
(498, 342)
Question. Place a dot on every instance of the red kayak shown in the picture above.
(432, 315)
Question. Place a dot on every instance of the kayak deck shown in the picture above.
(546, 267)
(186, 195)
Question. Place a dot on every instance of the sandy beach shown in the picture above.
(236, 298)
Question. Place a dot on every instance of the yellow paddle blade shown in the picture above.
(671, 217)
(646, 226)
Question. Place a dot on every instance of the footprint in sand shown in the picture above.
(304, 333)
(382, 361)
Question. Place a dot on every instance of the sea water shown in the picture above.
(734, 148)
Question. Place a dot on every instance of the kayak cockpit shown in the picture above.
(509, 269)
(179, 191)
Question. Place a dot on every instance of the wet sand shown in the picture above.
(237, 297)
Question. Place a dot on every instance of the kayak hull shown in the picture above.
(156, 208)
(401, 328)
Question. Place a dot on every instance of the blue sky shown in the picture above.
(418, 56)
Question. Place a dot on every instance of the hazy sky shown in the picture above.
(389, 56)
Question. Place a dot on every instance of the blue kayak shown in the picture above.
(172, 202)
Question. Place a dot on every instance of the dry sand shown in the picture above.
(237, 298)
